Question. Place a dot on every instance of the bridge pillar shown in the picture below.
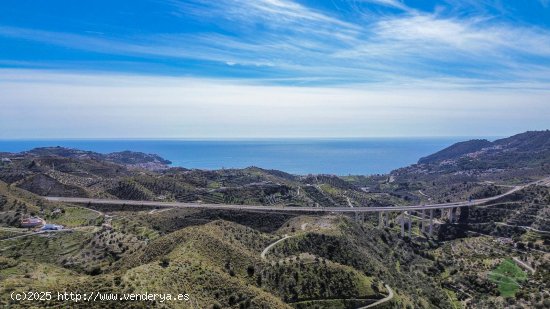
(451, 215)
(380, 219)
(423, 215)
(410, 223)
(402, 224)
(386, 218)
(431, 221)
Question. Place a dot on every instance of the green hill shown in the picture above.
(493, 256)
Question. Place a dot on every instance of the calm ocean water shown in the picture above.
(297, 156)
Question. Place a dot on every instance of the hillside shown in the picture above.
(59, 171)
(491, 256)
(456, 151)
(525, 149)
(218, 263)
(329, 260)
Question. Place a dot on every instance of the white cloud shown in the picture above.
(472, 35)
(53, 104)
(391, 3)
(276, 13)
(298, 43)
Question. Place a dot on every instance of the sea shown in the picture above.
(365, 156)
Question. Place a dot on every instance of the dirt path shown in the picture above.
(266, 250)
(521, 263)
(523, 227)
(35, 233)
(506, 277)
(303, 226)
(156, 211)
(424, 194)
(383, 300)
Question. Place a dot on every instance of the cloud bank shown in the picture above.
(42, 104)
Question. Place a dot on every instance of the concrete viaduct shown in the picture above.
(425, 211)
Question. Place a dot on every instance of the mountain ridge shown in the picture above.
(530, 141)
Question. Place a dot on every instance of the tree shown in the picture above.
(164, 261)
(250, 270)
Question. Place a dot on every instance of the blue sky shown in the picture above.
(273, 68)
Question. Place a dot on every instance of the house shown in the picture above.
(31, 222)
(504, 240)
(6, 160)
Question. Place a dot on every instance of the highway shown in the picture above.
(79, 200)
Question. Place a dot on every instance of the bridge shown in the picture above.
(425, 211)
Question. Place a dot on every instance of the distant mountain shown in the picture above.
(529, 148)
(456, 150)
(123, 157)
(131, 157)
(528, 141)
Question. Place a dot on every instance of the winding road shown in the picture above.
(383, 300)
(378, 302)
(264, 252)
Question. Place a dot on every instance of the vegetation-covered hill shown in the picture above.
(523, 150)
(67, 172)
(456, 151)
(472, 169)
(492, 256)
(124, 157)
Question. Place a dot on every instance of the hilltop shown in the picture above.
(525, 149)
(127, 158)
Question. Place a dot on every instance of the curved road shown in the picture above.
(378, 302)
(80, 200)
(383, 300)
(262, 255)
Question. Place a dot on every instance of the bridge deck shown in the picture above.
(79, 200)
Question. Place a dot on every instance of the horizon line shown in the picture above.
(247, 138)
